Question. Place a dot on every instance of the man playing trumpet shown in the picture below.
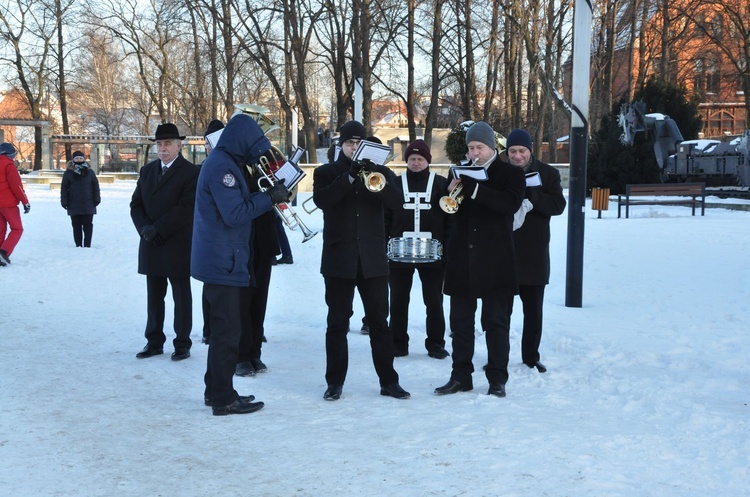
(354, 255)
(480, 263)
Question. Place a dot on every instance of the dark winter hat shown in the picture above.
(352, 130)
(519, 137)
(78, 153)
(374, 139)
(167, 131)
(8, 150)
(213, 126)
(481, 132)
(418, 147)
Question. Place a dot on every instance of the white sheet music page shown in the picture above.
(479, 173)
(290, 171)
(374, 152)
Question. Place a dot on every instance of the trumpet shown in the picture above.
(373, 181)
(290, 218)
(449, 203)
(304, 206)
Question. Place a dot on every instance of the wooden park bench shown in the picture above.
(695, 191)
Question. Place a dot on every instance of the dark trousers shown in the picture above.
(206, 307)
(83, 228)
(286, 250)
(156, 287)
(226, 327)
(339, 297)
(496, 325)
(400, 281)
(532, 300)
(253, 303)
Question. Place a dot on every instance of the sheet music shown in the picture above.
(213, 138)
(290, 171)
(479, 173)
(533, 179)
(374, 152)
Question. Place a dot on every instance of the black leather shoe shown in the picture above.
(333, 392)
(539, 366)
(149, 351)
(247, 398)
(365, 329)
(258, 365)
(244, 369)
(400, 353)
(394, 390)
(453, 386)
(239, 406)
(206, 339)
(497, 390)
(285, 260)
(180, 354)
(440, 353)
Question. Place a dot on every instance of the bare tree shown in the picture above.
(29, 28)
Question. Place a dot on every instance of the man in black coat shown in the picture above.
(481, 263)
(418, 182)
(162, 212)
(354, 255)
(532, 240)
(264, 247)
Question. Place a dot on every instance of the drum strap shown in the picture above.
(417, 201)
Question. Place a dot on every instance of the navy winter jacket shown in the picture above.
(225, 207)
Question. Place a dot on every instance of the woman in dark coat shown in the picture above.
(79, 195)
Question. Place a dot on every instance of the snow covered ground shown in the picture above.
(646, 395)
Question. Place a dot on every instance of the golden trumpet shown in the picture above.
(373, 181)
(449, 203)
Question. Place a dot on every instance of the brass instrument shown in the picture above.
(304, 206)
(449, 203)
(290, 218)
(373, 181)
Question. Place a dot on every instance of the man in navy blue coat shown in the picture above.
(221, 257)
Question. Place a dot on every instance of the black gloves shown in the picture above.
(26, 208)
(470, 184)
(354, 169)
(279, 193)
(149, 233)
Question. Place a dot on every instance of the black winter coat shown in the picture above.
(532, 238)
(353, 221)
(79, 193)
(168, 205)
(481, 259)
(434, 219)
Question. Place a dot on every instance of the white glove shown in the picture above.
(520, 216)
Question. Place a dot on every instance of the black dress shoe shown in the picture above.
(244, 369)
(258, 365)
(180, 354)
(453, 386)
(497, 390)
(400, 353)
(206, 339)
(285, 260)
(539, 366)
(333, 392)
(440, 353)
(365, 330)
(247, 398)
(239, 406)
(394, 390)
(149, 351)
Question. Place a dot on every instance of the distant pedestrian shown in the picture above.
(79, 195)
(11, 194)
